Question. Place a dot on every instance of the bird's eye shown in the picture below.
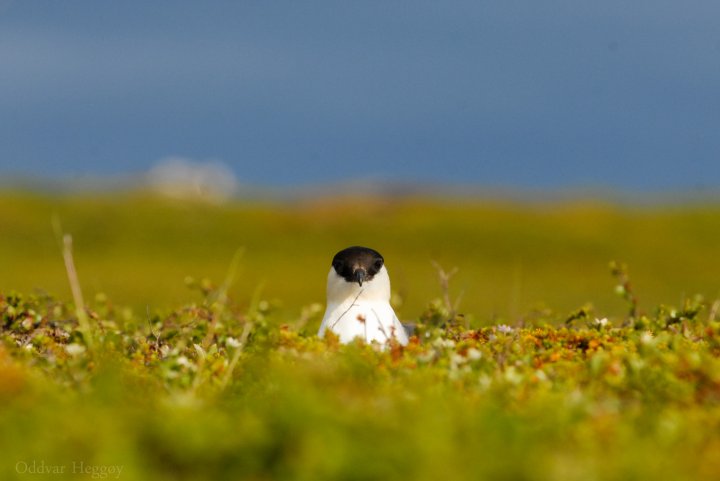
(378, 264)
(337, 265)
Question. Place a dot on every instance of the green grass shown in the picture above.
(174, 380)
(211, 392)
(513, 258)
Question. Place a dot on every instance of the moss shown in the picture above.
(204, 393)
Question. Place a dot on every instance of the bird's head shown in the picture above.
(357, 264)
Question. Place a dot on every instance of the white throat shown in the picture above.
(340, 291)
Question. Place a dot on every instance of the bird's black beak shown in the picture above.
(360, 276)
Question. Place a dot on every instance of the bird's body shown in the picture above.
(358, 299)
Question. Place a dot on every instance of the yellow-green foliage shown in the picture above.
(512, 257)
(212, 392)
(555, 366)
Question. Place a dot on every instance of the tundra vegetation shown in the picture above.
(176, 340)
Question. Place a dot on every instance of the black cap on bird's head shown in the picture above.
(357, 264)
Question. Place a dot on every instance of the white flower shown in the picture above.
(601, 322)
(184, 361)
(75, 349)
(446, 343)
(504, 328)
(456, 359)
(232, 342)
(473, 354)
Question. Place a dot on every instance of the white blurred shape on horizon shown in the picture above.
(184, 178)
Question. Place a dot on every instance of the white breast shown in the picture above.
(361, 311)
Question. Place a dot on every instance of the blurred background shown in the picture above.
(527, 144)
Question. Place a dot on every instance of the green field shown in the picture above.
(543, 373)
(513, 258)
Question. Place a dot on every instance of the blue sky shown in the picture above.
(515, 94)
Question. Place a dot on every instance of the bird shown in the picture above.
(358, 299)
